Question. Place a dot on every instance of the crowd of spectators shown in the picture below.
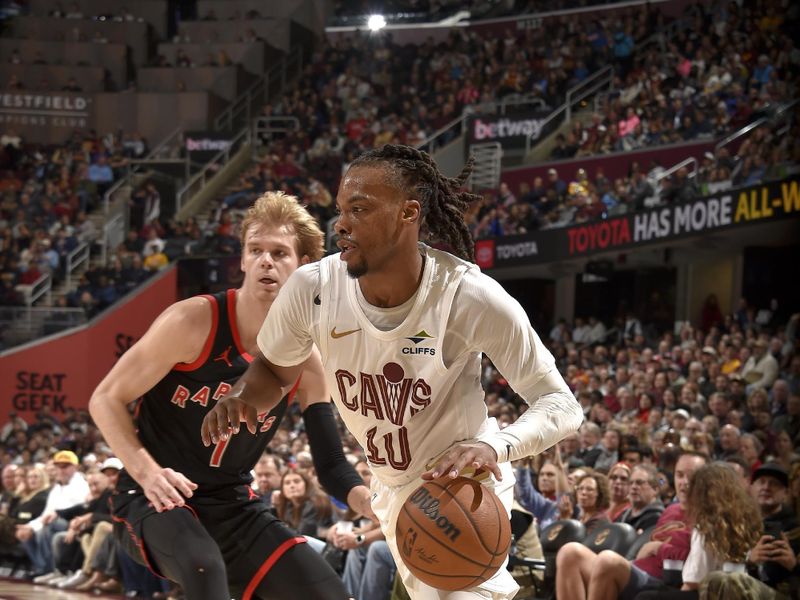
(358, 92)
(726, 389)
(561, 198)
(154, 241)
(714, 77)
(47, 193)
(362, 91)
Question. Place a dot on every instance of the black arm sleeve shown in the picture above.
(335, 474)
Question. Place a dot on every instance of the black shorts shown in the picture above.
(249, 536)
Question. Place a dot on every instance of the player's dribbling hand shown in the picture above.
(360, 500)
(224, 420)
(166, 488)
(465, 458)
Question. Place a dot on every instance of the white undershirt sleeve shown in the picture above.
(550, 417)
(285, 337)
(504, 333)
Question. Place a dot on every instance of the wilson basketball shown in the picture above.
(454, 534)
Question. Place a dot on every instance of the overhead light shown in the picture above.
(376, 22)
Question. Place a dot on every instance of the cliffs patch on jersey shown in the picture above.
(419, 338)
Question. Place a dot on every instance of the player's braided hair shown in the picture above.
(442, 199)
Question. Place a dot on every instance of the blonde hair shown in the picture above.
(277, 208)
(724, 512)
(45, 481)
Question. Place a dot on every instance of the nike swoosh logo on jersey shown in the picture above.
(340, 334)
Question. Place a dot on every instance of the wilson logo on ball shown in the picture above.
(429, 506)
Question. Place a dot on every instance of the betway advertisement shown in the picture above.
(202, 146)
(728, 209)
(511, 130)
(62, 372)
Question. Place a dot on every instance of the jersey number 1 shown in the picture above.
(219, 450)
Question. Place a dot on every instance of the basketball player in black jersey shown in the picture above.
(185, 510)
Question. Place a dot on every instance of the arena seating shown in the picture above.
(354, 95)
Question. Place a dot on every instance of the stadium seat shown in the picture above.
(611, 536)
(521, 522)
(641, 540)
(553, 537)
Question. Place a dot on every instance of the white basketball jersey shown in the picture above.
(392, 388)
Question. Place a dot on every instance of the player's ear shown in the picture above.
(412, 211)
(305, 260)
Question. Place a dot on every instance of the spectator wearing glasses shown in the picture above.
(619, 481)
(579, 568)
(646, 507)
(593, 499)
(724, 527)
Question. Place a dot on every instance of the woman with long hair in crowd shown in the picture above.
(302, 506)
(32, 493)
(726, 522)
(31, 486)
(619, 480)
(593, 497)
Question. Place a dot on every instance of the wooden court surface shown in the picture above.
(12, 589)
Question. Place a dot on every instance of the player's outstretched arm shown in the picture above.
(335, 473)
(258, 390)
(176, 336)
(494, 323)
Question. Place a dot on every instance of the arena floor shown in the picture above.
(11, 589)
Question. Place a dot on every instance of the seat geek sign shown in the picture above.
(731, 208)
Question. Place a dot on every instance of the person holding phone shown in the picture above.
(773, 559)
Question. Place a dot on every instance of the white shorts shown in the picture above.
(387, 502)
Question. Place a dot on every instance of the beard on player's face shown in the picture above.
(357, 270)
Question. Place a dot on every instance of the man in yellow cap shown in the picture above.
(36, 536)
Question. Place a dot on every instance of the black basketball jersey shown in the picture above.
(169, 416)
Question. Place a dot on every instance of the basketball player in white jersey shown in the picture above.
(401, 328)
